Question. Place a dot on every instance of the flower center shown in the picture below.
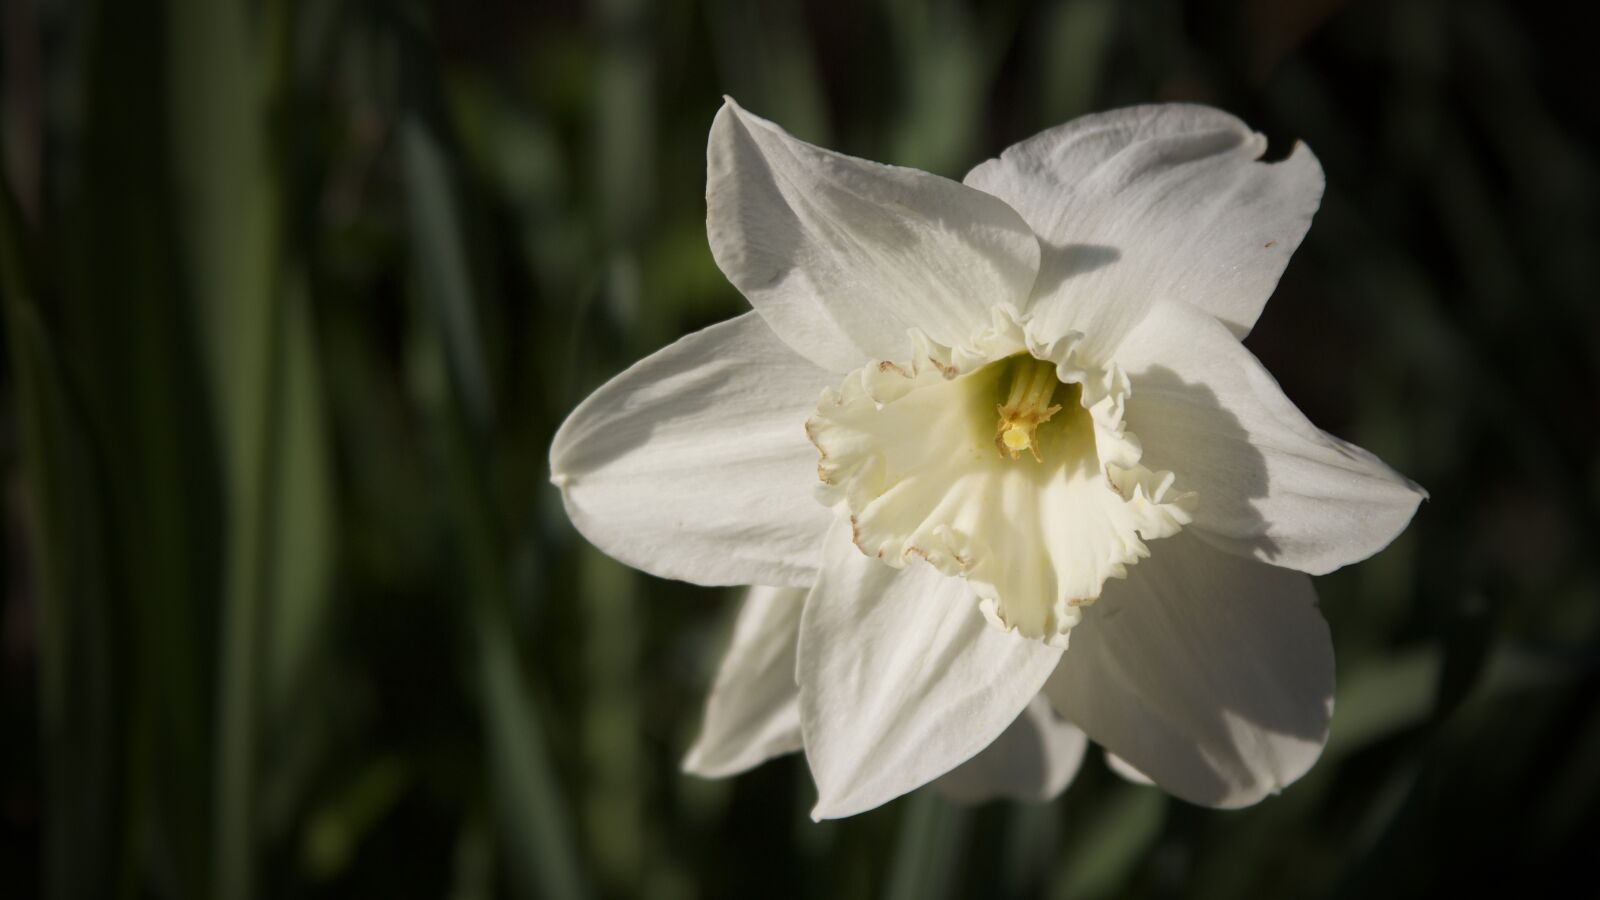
(1027, 406)
(926, 460)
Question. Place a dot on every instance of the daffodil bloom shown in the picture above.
(999, 463)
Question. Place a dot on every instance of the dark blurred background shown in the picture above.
(296, 292)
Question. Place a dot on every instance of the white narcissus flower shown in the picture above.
(966, 423)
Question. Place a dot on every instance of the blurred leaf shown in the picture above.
(126, 339)
(767, 62)
(81, 728)
(297, 616)
(1072, 48)
(1032, 840)
(334, 832)
(1109, 842)
(525, 794)
(441, 264)
(928, 852)
(1381, 697)
(228, 76)
(474, 877)
(613, 809)
(949, 54)
(1573, 789)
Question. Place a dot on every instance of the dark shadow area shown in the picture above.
(1227, 492)
(1060, 262)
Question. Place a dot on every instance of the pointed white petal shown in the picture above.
(1270, 484)
(843, 256)
(753, 713)
(694, 464)
(1210, 674)
(901, 680)
(1126, 770)
(1033, 760)
(1153, 202)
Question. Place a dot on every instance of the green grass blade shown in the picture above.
(525, 794)
(227, 74)
(928, 854)
(80, 731)
(126, 339)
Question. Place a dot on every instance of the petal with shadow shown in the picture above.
(1154, 202)
(1033, 760)
(843, 256)
(1270, 484)
(753, 713)
(1208, 673)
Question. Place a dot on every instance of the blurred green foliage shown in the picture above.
(296, 291)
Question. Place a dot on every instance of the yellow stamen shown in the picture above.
(1027, 407)
(1016, 438)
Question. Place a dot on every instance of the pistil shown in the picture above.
(1027, 406)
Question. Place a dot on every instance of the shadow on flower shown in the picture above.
(1209, 673)
(1060, 262)
(1231, 461)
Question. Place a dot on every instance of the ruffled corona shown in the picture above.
(1006, 463)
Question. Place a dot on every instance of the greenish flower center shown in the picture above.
(1029, 385)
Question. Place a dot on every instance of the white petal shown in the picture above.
(901, 680)
(1271, 485)
(1154, 202)
(843, 256)
(1126, 770)
(753, 713)
(1210, 674)
(1034, 760)
(694, 464)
